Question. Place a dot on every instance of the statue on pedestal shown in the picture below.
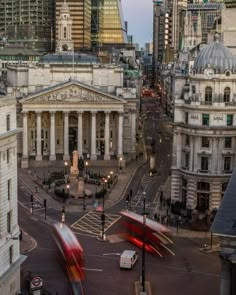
(74, 168)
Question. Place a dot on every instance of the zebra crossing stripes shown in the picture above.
(90, 223)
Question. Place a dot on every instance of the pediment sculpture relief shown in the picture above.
(71, 94)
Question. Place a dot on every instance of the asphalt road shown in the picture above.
(188, 272)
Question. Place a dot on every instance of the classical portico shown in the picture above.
(73, 116)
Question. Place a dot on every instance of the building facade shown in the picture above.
(74, 116)
(31, 23)
(113, 26)
(9, 230)
(205, 130)
(80, 12)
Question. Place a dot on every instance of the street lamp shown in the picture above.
(120, 162)
(68, 190)
(86, 168)
(65, 171)
(105, 183)
(144, 240)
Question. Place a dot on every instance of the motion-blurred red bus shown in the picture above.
(72, 253)
(157, 240)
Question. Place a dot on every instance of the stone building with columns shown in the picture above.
(10, 257)
(205, 130)
(74, 116)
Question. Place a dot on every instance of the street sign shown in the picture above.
(36, 283)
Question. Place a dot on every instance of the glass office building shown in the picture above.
(31, 23)
(80, 11)
(113, 28)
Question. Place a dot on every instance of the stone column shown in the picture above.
(52, 156)
(120, 135)
(179, 150)
(39, 138)
(25, 155)
(66, 156)
(107, 155)
(25, 135)
(80, 134)
(93, 136)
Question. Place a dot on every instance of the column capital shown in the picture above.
(24, 112)
(121, 113)
(93, 112)
(66, 113)
(38, 112)
(107, 112)
(80, 112)
(52, 112)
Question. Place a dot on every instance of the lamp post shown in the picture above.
(103, 218)
(68, 190)
(65, 170)
(111, 174)
(105, 184)
(86, 168)
(144, 241)
(120, 163)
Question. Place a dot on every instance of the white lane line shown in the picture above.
(106, 254)
(92, 269)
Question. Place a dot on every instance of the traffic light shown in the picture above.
(32, 198)
(63, 209)
(45, 203)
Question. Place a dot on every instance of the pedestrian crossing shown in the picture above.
(146, 182)
(90, 223)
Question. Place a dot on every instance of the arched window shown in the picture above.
(208, 94)
(227, 94)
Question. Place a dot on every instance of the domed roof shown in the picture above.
(215, 56)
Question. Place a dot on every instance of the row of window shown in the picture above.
(206, 119)
(208, 93)
(204, 163)
(206, 141)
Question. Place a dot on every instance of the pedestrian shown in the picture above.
(155, 216)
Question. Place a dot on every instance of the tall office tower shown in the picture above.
(113, 26)
(162, 35)
(178, 21)
(80, 11)
(30, 23)
(96, 22)
(9, 230)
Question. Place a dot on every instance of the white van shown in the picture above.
(128, 259)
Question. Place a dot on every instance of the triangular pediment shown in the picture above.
(71, 92)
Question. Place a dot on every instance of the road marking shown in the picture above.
(106, 254)
(92, 269)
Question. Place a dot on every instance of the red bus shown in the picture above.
(71, 251)
(157, 239)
